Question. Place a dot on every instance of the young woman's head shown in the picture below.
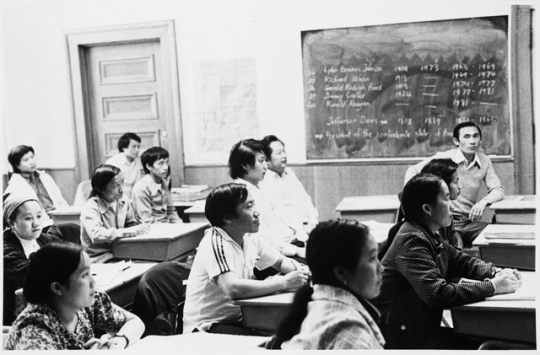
(60, 273)
(247, 160)
(426, 199)
(446, 169)
(342, 253)
(23, 214)
(107, 183)
(21, 159)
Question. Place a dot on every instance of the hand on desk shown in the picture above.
(295, 279)
(477, 210)
(506, 281)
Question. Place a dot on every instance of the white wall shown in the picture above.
(36, 92)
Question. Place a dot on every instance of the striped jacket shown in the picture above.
(416, 288)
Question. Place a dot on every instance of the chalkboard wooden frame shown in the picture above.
(394, 92)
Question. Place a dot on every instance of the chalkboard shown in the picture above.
(397, 91)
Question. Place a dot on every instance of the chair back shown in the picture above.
(83, 193)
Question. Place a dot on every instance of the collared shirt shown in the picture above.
(288, 193)
(336, 319)
(132, 171)
(100, 224)
(273, 227)
(471, 178)
(43, 196)
(152, 202)
(29, 246)
(218, 253)
(38, 327)
(416, 288)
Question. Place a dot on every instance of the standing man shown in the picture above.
(474, 169)
(281, 185)
(223, 268)
(127, 160)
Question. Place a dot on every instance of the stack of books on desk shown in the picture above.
(190, 192)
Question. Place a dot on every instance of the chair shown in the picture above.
(161, 289)
(71, 232)
(83, 193)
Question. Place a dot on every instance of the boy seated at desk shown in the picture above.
(223, 267)
(128, 161)
(151, 198)
(281, 185)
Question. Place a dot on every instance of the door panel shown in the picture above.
(125, 95)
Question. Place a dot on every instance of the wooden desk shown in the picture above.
(499, 320)
(165, 241)
(382, 209)
(266, 312)
(123, 286)
(196, 212)
(514, 245)
(66, 215)
(181, 207)
(516, 209)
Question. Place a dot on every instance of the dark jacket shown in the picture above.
(15, 266)
(416, 288)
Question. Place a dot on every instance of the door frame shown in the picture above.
(77, 41)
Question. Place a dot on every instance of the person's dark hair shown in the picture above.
(334, 243)
(123, 142)
(101, 177)
(223, 201)
(53, 262)
(242, 154)
(444, 168)
(421, 189)
(151, 155)
(16, 154)
(455, 134)
(266, 141)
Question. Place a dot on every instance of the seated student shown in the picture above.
(26, 177)
(150, 196)
(248, 165)
(64, 307)
(334, 312)
(474, 170)
(107, 216)
(128, 161)
(283, 188)
(446, 169)
(23, 217)
(417, 268)
(223, 267)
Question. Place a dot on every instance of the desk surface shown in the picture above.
(368, 203)
(197, 207)
(500, 320)
(67, 211)
(507, 234)
(517, 202)
(165, 241)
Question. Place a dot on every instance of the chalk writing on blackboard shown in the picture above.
(397, 91)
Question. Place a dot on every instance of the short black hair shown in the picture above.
(223, 201)
(101, 177)
(151, 155)
(54, 262)
(266, 141)
(243, 153)
(444, 168)
(16, 154)
(123, 142)
(455, 134)
(421, 189)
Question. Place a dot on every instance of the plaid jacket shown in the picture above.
(415, 288)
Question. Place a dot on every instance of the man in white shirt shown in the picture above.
(223, 268)
(474, 170)
(127, 160)
(283, 188)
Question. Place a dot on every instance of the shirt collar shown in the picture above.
(30, 176)
(459, 158)
(104, 205)
(321, 291)
(245, 182)
(154, 186)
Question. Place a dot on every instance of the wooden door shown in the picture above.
(125, 95)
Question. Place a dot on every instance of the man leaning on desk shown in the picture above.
(223, 267)
(474, 169)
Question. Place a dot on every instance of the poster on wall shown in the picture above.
(391, 92)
